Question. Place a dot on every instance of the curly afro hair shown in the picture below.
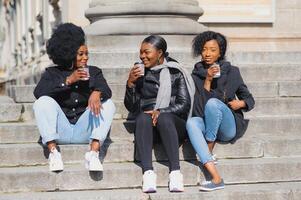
(64, 42)
(200, 40)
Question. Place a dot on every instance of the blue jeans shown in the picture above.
(218, 123)
(54, 125)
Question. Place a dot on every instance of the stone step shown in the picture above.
(6, 99)
(281, 125)
(250, 72)
(10, 112)
(75, 177)
(126, 59)
(263, 106)
(277, 106)
(123, 151)
(266, 191)
(117, 194)
(116, 151)
(264, 76)
(24, 94)
(27, 132)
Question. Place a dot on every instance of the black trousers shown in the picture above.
(171, 129)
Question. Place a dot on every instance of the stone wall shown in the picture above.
(287, 23)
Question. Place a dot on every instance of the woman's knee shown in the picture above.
(195, 124)
(212, 104)
(143, 118)
(165, 119)
(44, 102)
(109, 105)
(226, 137)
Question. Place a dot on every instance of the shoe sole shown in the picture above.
(211, 189)
(175, 190)
(150, 190)
(59, 169)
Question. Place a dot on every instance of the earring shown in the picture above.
(158, 61)
(72, 65)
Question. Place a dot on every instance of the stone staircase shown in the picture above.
(264, 164)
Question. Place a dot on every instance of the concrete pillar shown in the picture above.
(118, 27)
(120, 17)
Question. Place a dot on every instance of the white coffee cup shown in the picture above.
(141, 66)
(218, 74)
(86, 69)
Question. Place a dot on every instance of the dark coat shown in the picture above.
(143, 96)
(73, 99)
(227, 87)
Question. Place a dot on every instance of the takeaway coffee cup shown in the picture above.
(218, 74)
(86, 69)
(141, 67)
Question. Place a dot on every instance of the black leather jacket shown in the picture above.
(143, 96)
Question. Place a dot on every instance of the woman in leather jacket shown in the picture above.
(161, 97)
(220, 97)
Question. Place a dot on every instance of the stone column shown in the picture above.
(118, 27)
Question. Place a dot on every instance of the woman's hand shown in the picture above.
(237, 104)
(211, 72)
(76, 75)
(94, 103)
(134, 74)
(155, 114)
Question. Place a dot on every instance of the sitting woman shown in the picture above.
(162, 98)
(73, 100)
(221, 96)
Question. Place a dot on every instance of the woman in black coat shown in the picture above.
(161, 97)
(220, 97)
(73, 99)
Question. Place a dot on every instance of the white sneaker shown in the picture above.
(149, 182)
(176, 181)
(92, 161)
(55, 161)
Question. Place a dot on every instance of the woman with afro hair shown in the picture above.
(219, 100)
(73, 103)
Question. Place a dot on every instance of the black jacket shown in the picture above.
(72, 99)
(225, 88)
(143, 96)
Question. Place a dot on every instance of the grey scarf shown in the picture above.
(164, 93)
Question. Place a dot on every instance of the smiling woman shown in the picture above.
(219, 102)
(72, 106)
(162, 98)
